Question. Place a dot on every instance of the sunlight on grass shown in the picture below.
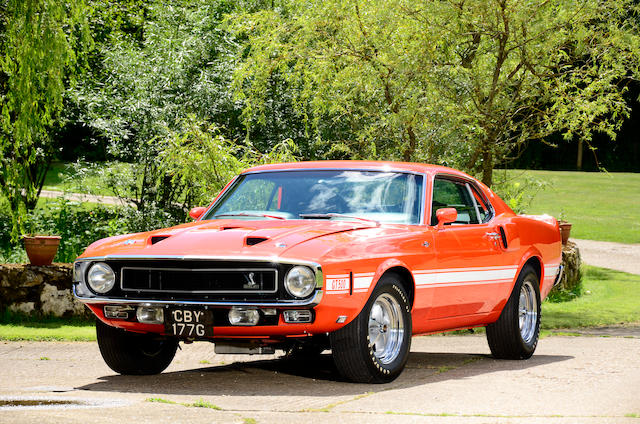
(44, 332)
(610, 297)
(62, 177)
(601, 206)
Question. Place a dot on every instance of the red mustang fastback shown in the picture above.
(344, 255)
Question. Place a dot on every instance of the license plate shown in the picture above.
(189, 322)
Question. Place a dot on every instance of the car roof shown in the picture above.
(361, 165)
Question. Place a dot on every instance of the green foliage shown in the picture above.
(161, 97)
(38, 44)
(463, 82)
(202, 160)
(558, 294)
(77, 225)
(518, 190)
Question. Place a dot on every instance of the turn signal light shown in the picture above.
(297, 316)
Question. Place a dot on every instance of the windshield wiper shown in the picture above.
(334, 215)
(263, 215)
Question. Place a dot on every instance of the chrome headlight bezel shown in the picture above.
(300, 281)
(100, 278)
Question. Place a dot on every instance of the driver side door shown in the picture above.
(470, 260)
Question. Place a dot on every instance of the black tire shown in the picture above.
(133, 353)
(507, 338)
(356, 357)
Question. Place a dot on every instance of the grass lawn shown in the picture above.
(62, 176)
(601, 206)
(14, 326)
(74, 332)
(611, 297)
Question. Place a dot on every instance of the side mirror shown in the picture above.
(446, 215)
(197, 212)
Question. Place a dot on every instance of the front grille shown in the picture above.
(201, 281)
(194, 280)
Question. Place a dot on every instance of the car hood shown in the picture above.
(224, 238)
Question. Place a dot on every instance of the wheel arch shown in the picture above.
(406, 279)
(534, 259)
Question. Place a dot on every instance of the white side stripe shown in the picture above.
(464, 276)
(362, 282)
(339, 283)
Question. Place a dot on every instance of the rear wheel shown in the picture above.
(374, 347)
(515, 334)
(133, 353)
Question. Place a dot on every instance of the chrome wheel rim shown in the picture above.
(527, 311)
(386, 328)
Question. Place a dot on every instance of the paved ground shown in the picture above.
(448, 380)
(618, 256)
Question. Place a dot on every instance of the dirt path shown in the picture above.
(448, 379)
(618, 256)
(81, 197)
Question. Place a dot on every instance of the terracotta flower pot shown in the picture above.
(41, 249)
(565, 231)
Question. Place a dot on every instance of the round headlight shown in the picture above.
(101, 277)
(300, 281)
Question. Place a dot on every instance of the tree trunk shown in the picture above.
(411, 148)
(579, 159)
(487, 166)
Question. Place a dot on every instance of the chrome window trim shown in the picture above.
(473, 200)
(311, 302)
(275, 271)
(424, 176)
(464, 180)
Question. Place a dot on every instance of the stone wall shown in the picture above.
(44, 290)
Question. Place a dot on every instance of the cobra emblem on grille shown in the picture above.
(251, 284)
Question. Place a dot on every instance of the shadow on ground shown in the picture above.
(318, 377)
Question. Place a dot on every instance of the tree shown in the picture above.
(520, 70)
(462, 81)
(168, 63)
(38, 44)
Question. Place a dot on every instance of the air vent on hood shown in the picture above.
(156, 239)
(250, 241)
(229, 228)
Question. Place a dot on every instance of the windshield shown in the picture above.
(389, 197)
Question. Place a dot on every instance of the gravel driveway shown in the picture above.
(449, 379)
(618, 256)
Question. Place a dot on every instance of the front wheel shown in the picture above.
(374, 347)
(515, 334)
(133, 353)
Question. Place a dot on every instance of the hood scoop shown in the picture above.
(157, 239)
(252, 241)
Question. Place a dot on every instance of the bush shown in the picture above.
(517, 189)
(79, 225)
